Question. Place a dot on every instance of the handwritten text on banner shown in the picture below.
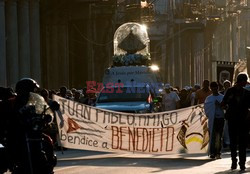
(91, 128)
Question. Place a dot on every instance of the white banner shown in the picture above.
(90, 128)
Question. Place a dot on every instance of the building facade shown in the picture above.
(56, 42)
(62, 42)
(205, 35)
(19, 41)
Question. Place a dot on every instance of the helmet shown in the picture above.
(26, 85)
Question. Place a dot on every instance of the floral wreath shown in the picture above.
(131, 59)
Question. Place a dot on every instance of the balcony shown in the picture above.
(139, 13)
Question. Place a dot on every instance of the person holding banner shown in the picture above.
(215, 116)
(236, 102)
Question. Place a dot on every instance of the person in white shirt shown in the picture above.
(170, 99)
(215, 116)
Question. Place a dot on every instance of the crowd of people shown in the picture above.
(227, 110)
(84, 95)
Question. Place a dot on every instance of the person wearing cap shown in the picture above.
(170, 100)
(236, 102)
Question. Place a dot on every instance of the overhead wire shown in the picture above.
(90, 40)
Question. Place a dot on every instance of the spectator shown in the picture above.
(45, 94)
(51, 93)
(73, 90)
(78, 96)
(91, 97)
(236, 101)
(215, 116)
(176, 89)
(170, 100)
(193, 92)
(52, 130)
(183, 98)
(63, 92)
(202, 93)
(69, 94)
(226, 86)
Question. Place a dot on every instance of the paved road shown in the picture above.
(80, 162)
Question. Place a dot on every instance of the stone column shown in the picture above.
(34, 27)
(172, 60)
(163, 61)
(52, 56)
(185, 65)
(12, 43)
(234, 35)
(53, 59)
(3, 73)
(248, 60)
(63, 54)
(23, 38)
(89, 45)
(47, 58)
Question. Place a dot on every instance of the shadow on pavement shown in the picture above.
(234, 171)
(160, 162)
(73, 153)
(237, 171)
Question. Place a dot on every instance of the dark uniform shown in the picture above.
(25, 156)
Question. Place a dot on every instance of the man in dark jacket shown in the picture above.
(236, 101)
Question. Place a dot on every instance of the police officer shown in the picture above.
(15, 138)
(24, 157)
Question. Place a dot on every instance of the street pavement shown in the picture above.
(90, 162)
